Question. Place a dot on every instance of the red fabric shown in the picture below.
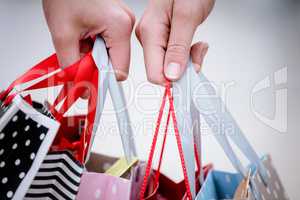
(167, 189)
(35, 72)
(75, 79)
(28, 99)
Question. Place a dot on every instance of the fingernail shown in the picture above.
(173, 71)
(197, 67)
(204, 52)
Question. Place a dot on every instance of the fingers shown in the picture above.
(181, 35)
(67, 47)
(153, 39)
(117, 38)
(198, 52)
(65, 36)
(154, 59)
(120, 56)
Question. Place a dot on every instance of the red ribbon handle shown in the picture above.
(75, 79)
(153, 145)
(86, 79)
(48, 65)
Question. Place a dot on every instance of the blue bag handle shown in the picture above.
(226, 118)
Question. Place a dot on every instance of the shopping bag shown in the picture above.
(223, 185)
(25, 138)
(99, 178)
(98, 182)
(26, 134)
(161, 187)
(264, 182)
(58, 177)
(219, 185)
(60, 174)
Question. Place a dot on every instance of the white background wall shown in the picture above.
(249, 40)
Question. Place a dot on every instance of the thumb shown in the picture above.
(180, 39)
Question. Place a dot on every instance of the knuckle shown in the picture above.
(177, 50)
(184, 13)
(143, 27)
(155, 79)
(62, 36)
(123, 21)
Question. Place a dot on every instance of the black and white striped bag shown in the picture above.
(58, 177)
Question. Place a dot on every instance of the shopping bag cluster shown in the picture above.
(45, 150)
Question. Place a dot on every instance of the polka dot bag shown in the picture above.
(25, 138)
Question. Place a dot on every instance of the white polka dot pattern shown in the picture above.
(274, 190)
(19, 141)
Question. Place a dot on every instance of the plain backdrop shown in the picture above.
(251, 43)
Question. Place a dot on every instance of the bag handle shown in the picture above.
(85, 138)
(187, 118)
(76, 74)
(38, 75)
(189, 128)
(167, 95)
(107, 81)
(86, 78)
(226, 118)
(35, 72)
(197, 141)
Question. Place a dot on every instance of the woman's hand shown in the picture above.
(72, 22)
(166, 31)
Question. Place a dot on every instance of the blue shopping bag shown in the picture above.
(219, 185)
(223, 185)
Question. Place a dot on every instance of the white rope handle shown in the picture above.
(107, 81)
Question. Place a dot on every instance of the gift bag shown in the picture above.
(186, 124)
(26, 135)
(60, 174)
(101, 180)
(263, 181)
(25, 138)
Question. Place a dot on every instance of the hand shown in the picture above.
(72, 22)
(166, 31)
